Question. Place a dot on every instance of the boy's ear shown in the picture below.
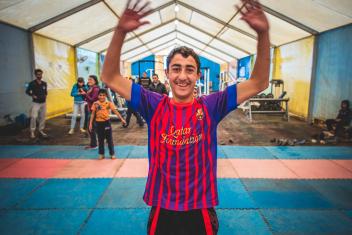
(198, 75)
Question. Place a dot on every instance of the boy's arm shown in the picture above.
(29, 89)
(119, 115)
(111, 74)
(46, 89)
(92, 117)
(259, 80)
(114, 110)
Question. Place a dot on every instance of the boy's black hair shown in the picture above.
(38, 71)
(95, 79)
(347, 102)
(103, 91)
(154, 74)
(80, 79)
(185, 52)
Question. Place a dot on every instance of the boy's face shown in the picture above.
(39, 75)
(182, 74)
(101, 97)
(155, 79)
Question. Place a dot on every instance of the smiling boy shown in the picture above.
(181, 185)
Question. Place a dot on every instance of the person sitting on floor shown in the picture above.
(343, 119)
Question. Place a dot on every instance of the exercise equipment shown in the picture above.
(271, 103)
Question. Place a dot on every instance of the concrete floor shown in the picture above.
(235, 129)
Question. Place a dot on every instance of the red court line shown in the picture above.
(318, 169)
(138, 168)
(34, 168)
(5, 162)
(347, 164)
(84, 168)
(262, 168)
(133, 168)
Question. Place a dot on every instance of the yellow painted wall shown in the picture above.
(293, 64)
(58, 64)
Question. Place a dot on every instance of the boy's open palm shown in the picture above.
(253, 14)
(131, 17)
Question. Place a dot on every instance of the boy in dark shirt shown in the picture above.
(38, 90)
(157, 86)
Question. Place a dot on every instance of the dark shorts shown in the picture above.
(167, 222)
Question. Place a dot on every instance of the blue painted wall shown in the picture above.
(244, 67)
(138, 67)
(334, 72)
(214, 71)
(16, 71)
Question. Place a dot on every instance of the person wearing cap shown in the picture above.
(77, 92)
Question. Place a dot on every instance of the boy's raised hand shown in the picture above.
(253, 14)
(131, 18)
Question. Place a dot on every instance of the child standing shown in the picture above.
(77, 92)
(100, 114)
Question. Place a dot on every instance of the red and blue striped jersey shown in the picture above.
(182, 147)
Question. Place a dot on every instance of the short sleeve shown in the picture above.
(94, 107)
(143, 101)
(221, 103)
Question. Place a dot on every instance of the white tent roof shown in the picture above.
(212, 28)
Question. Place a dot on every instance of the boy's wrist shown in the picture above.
(120, 32)
(264, 34)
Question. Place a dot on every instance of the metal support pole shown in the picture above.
(208, 81)
(205, 82)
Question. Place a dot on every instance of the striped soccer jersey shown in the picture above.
(182, 148)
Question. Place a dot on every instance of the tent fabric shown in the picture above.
(211, 27)
(26, 14)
